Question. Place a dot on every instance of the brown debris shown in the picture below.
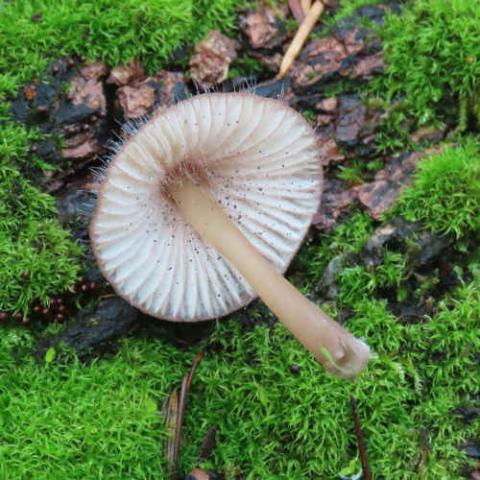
(198, 474)
(320, 58)
(322, 120)
(208, 445)
(328, 148)
(94, 71)
(376, 196)
(212, 58)
(270, 62)
(86, 88)
(335, 201)
(353, 40)
(379, 195)
(125, 74)
(30, 91)
(366, 68)
(261, 28)
(138, 99)
(330, 153)
(351, 119)
(327, 105)
(81, 146)
(167, 82)
(428, 134)
(353, 53)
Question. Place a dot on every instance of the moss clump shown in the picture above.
(432, 50)
(31, 241)
(271, 424)
(445, 195)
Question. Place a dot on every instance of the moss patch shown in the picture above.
(446, 191)
(102, 420)
(433, 55)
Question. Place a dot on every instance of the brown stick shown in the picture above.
(300, 37)
(186, 382)
(362, 448)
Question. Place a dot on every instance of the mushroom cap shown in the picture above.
(260, 160)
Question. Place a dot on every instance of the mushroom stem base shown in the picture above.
(338, 350)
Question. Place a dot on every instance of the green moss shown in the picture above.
(245, 66)
(446, 192)
(102, 420)
(348, 237)
(432, 50)
(112, 31)
(31, 241)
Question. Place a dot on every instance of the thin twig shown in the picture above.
(180, 413)
(300, 37)
(362, 448)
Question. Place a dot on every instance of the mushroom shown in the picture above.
(204, 207)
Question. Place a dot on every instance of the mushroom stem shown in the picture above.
(338, 350)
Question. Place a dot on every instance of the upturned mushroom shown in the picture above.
(204, 207)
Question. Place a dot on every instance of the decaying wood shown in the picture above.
(300, 37)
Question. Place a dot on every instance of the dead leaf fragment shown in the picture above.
(212, 58)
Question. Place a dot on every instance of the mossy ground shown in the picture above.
(63, 419)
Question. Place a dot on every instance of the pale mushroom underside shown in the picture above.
(259, 159)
